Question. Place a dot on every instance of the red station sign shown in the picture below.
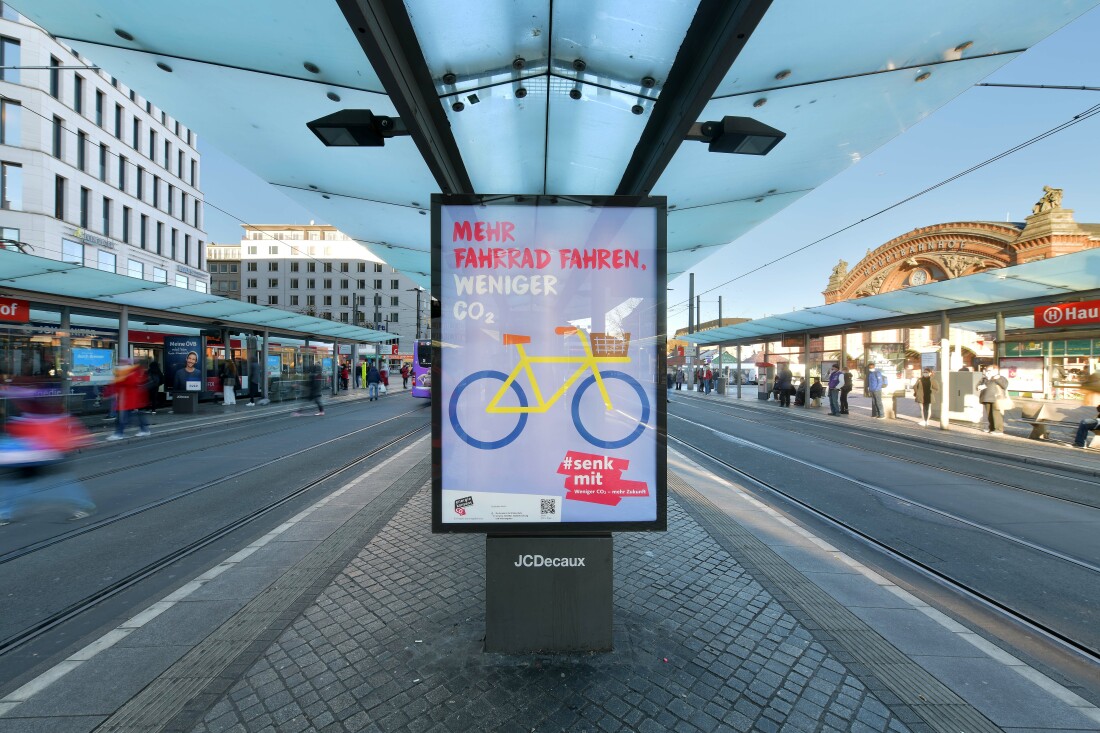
(1067, 314)
(16, 311)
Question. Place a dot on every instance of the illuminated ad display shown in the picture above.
(548, 380)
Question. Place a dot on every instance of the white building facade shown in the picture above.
(317, 270)
(91, 172)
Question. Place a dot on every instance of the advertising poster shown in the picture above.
(93, 366)
(548, 416)
(1024, 374)
(183, 368)
(274, 366)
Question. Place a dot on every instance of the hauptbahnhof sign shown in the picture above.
(1067, 314)
(548, 414)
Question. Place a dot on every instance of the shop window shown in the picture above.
(72, 252)
(106, 261)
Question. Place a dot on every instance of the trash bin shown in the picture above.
(183, 403)
(721, 388)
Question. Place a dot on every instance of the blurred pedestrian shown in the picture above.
(993, 394)
(156, 379)
(876, 382)
(373, 380)
(384, 379)
(784, 385)
(131, 393)
(926, 392)
(315, 388)
(229, 383)
(254, 377)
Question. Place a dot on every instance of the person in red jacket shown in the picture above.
(131, 392)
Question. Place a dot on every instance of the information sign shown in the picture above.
(93, 366)
(1067, 314)
(548, 416)
(15, 310)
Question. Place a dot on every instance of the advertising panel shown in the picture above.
(548, 414)
(93, 366)
(183, 367)
(1024, 374)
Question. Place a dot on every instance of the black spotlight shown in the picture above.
(742, 135)
(356, 128)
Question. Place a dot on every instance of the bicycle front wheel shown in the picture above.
(619, 426)
(489, 427)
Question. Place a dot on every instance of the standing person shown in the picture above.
(314, 387)
(131, 394)
(373, 380)
(708, 381)
(229, 383)
(991, 391)
(253, 382)
(680, 378)
(784, 385)
(876, 381)
(156, 378)
(384, 378)
(847, 388)
(926, 391)
(836, 383)
(404, 376)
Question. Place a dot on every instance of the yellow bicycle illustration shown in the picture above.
(599, 349)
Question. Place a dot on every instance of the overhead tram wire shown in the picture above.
(1077, 119)
(206, 202)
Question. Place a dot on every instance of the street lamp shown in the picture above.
(418, 290)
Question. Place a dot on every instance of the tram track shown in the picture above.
(734, 411)
(131, 579)
(925, 569)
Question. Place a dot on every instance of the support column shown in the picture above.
(999, 347)
(66, 354)
(124, 333)
(335, 367)
(738, 371)
(945, 370)
(264, 376)
(806, 371)
(720, 347)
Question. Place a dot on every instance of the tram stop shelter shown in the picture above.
(1006, 302)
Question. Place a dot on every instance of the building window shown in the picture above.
(378, 268)
(344, 267)
(273, 282)
(343, 300)
(328, 284)
(57, 138)
(294, 300)
(183, 206)
(100, 99)
(395, 284)
(294, 267)
(194, 171)
(361, 284)
(10, 122)
(232, 268)
(181, 281)
(72, 252)
(345, 284)
(344, 317)
(135, 137)
(167, 153)
(135, 269)
(11, 186)
(311, 283)
(122, 173)
(179, 165)
(9, 59)
(85, 204)
(252, 282)
(144, 235)
(252, 299)
(252, 267)
(81, 145)
(200, 286)
(327, 300)
(175, 243)
(139, 184)
(102, 162)
(78, 93)
(160, 238)
(55, 77)
(293, 283)
(153, 145)
(171, 198)
(327, 316)
(156, 192)
(395, 301)
(187, 248)
(118, 121)
(392, 318)
(311, 300)
(160, 275)
(273, 300)
(328, 267)
(311, 267)
(273, 249)
(273, 266)
(60, 185)
(377, 284)
(361, 266)
(106, 216)
(126, 213)
(105, 261)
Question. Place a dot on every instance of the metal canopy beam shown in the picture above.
(389, 42)
(717, 34)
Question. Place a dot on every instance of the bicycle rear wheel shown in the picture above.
(489, 426)
(619, 421)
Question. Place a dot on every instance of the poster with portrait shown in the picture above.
(183, 365)
(548, 415)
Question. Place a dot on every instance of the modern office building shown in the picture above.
(223, 262)
(317, 270)
(91, 172)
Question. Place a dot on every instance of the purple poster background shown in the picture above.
(540, 281)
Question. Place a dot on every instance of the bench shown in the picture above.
(1042, 416)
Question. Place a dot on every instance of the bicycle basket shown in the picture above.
(605, 344)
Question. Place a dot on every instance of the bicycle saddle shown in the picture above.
(511, 339)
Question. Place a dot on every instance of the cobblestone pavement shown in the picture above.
(395, 643)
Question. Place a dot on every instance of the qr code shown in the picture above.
(549, 506)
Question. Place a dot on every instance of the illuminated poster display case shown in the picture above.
(548, 388)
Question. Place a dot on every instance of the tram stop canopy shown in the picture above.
(538, 98)
(975, 300)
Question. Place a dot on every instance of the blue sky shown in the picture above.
(977, 125)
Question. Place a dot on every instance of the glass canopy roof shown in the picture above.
(24, 272)
(1008, 288)
(536, 97)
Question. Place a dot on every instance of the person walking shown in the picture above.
(131, 393)
(836, 383)
(156, 379)
(876, 382)
(404, 376)
(384, 378)
(784, 385)
(315, 389)
(229, 383)
(253, 382)
(845, 390)
(926, 392)
(373, 380)
(992, 392)
(1086, 426)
